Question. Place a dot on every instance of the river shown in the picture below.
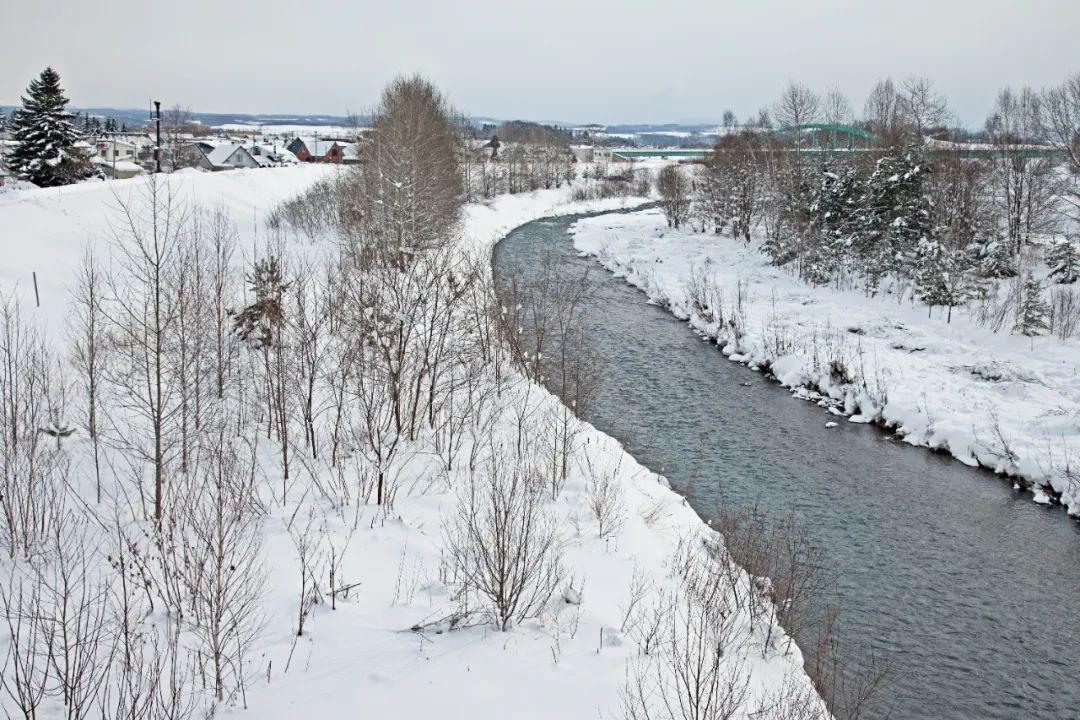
(971, 590)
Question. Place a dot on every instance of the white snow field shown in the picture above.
(1006, 402)
(362, 660)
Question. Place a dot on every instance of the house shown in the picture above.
(308, 149)
(116, 150)
(118, 169)
(227, 156)
(271, 155)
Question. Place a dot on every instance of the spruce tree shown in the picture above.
(941, 276)
(45, 137)
(1064, 261)
(894, 215)
(1033, 313)
(992, 258)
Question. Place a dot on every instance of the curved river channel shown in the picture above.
(972, 591)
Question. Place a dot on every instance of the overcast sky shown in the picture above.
(569, 60)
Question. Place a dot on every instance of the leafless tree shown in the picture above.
(32, 491)
(26, 672)
(410, 185)
(798, 105)
(604, 495)
(922, 105)
(503, 544)
(1059, 122)
(140, 312)
(674, 188)
(74, 619)
(89, 343)
(697, 673)
(1024, 185)
(836, 108)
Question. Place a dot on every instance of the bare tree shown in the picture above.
(89, 344)
(924, 107)
(1024, 185)
(1059, 122)
(32, 491)
(798, 105)
(140, 311)
(504, 546)
(836, 108)
(411, 185)
(674, 188)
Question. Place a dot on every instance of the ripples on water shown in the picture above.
(971, 590)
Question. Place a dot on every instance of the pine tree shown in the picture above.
(1064, 261)
(45, 137)
(834, 213)
(3, 121)
(992, 258)
(894, 215)
(1032, 315)
(941, 276)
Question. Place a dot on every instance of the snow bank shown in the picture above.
(1007, 403)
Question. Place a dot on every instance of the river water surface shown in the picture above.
(970, 589)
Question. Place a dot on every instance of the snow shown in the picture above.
(45, 230)
(362, 658)
(1005, 402)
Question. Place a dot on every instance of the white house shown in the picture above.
(116, 150)
(227, 156)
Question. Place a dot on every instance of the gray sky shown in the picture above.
(572, 60)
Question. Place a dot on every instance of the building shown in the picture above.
(227, 156)
(271, 155)
(116, 150)
(337, 152)
(118, 169)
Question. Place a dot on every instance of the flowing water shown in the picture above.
(971, 590)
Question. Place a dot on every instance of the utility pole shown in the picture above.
(157, 147)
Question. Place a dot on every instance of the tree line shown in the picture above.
(915, 215)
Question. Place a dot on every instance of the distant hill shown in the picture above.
(137, 116)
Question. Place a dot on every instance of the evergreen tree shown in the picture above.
(992, 258)
(44, 136)
(834, 213)
(3, 121)
(894, 216)
(1033, 313)
(1064, 261)
(941, 276)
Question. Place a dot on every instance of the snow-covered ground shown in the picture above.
(1006, 402)
(362, 659)
(45, 230)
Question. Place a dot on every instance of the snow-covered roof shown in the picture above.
(120, 165)
(320, 148)
(220, 155)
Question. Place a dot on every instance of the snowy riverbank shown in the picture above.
(1005, 402)
(364, 658)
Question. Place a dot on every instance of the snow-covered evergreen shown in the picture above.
(941, 278)
(1064, 261)
(45, 137)
(1033, 313)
